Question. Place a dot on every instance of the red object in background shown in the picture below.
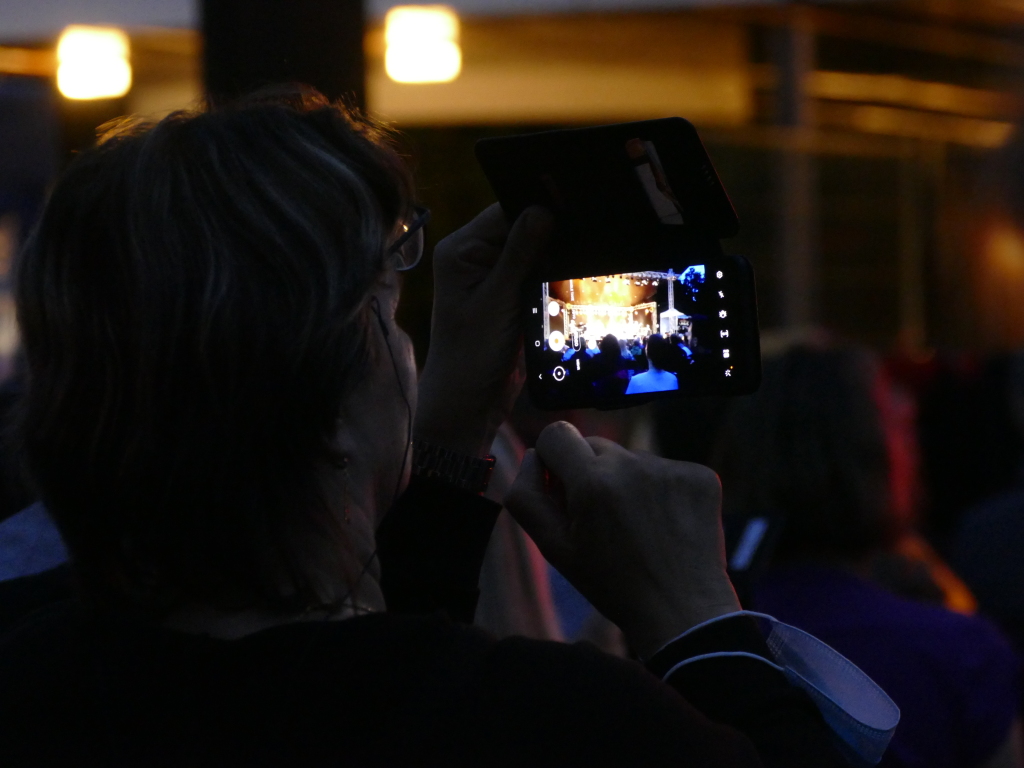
(897, 406)
(898, 384)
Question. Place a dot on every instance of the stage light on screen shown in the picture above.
(422, 44)
(92, 63)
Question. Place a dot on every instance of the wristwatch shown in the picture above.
(468, 473)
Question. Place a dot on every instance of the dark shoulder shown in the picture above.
(939, 625)
(382, 689)
(944, 639)
(570, 671)
(1001, 512)
(47, 639)
(22, 596)
(44, 682)
(973, 643)
(987, 546)
(467, 699)
(382, 650)
(584, 707)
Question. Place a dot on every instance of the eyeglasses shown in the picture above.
(407, 250)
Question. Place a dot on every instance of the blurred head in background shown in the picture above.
(659, 353)
(810, 446)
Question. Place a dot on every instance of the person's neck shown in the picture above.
(231, 625)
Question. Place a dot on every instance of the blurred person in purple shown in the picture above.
(988, 545)
(809, 448)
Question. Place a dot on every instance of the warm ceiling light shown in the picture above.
(422, 44)
(92, 63)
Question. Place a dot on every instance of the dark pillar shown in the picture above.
(251, 43)
(80, 121)
(797, 181)
(913, 330)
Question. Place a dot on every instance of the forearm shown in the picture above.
(431, 547)
(461, 415)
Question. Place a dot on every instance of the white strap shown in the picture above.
(855, 708)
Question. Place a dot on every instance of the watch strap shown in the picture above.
(468, 473)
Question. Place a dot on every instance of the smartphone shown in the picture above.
(638, 300)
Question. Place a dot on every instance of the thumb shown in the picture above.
(539, 513)
(526, 242)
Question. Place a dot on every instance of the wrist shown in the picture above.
(455, 431)
(457, 470)
(459, 419)
(655, 627)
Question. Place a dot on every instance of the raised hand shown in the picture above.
(470, 378)
(639, 536)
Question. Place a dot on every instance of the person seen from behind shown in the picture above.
(656, 378)
(275, 523)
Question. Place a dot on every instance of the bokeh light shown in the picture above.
(422, 44)
(92, 63)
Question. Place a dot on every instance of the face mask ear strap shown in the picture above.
(375, 306)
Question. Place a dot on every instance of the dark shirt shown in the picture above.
(954, 678)
(406, 688)
(20, 597)
(987, 553)
(377, 690)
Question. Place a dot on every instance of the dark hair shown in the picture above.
(810, 445)
(659, 353)
(610, 346)
(194, 309)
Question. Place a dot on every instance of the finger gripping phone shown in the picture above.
(637, 299)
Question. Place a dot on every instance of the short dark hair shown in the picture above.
(810, 445)
(610, 346)
(194, 309)
(659, 353)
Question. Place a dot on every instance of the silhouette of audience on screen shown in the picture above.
(656, 379)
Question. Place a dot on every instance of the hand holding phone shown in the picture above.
(469, 382)
(638, 301)
(639, 536)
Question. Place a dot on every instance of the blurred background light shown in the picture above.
(999, 283)
(422, 44)
(1004, 252)
(92, 63)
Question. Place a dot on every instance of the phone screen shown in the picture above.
(613, 339)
